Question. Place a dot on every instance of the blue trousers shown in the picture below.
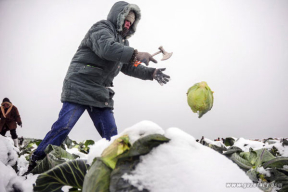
(102, 118)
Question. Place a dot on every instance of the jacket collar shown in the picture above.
(9, 109)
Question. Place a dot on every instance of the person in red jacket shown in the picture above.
(9, 117)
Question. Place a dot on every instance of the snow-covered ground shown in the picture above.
(182, 164)
(179, 165)
(9, 180)
(246, 144)
(185, 165)
(8, 153)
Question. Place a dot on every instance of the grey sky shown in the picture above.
(240, 48)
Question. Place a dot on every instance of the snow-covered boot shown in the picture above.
(16, 143)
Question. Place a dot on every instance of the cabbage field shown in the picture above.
(145, 157)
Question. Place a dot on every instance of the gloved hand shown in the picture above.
(20, 124)
(161, 77)
(145, 57)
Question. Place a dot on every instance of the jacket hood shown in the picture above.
(118, 13)
(6, 100)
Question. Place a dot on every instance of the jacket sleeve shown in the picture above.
(104, 45)
(17, 117)
(140, 71)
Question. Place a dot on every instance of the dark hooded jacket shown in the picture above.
(102, 54)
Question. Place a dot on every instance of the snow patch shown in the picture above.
(246, 144)
(134, 132)
(22, 165)
(183, 164)
(142, 129)
(77, 152)
(217, 143)
(66, 188)
(8, 153)
(8, 178)
(97, 149)
(28, 183)
(263, 171)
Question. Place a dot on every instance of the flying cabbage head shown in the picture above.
(200, 98)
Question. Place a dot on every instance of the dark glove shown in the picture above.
(20, 124)
(145, 57)
(161, 77)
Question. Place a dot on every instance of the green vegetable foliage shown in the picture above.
(54, 156)
(71, 173)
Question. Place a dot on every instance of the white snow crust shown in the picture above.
(141, 129)
(8, 153)
(185, 165)
(217, 143)
(22, 165)
(263, 171)
(28, 182)
(134, 132)
(77, 152)
(245, 144)
(9, 178)
(97, 149)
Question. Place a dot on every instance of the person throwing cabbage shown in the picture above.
(102, 54)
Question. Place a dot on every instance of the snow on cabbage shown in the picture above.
(144, 157)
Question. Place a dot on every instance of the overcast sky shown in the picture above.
(240, 48)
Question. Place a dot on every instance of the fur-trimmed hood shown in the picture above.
(8, 110)
(118, 13)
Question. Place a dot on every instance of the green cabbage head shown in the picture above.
(200, 98)
(110, 155)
